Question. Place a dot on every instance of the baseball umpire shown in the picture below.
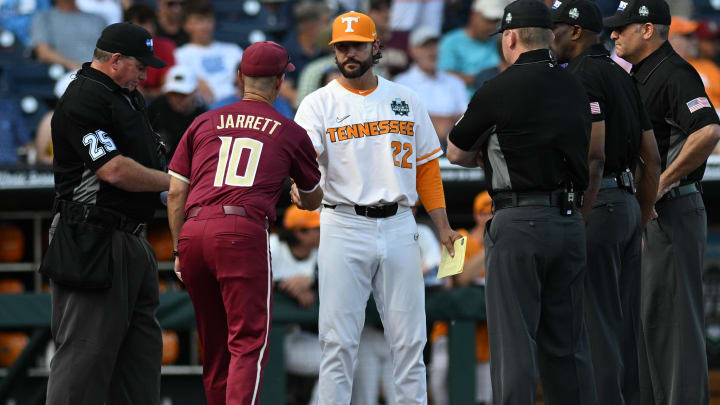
(378, 151)
(673, 362)
(227, 175)
(621, 144)
(103, 271)
(532, 127)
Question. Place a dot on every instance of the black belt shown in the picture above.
(227, 209)
(376, 211)
(681, 191)
(104, 217)
(540, 199)
(608, 182)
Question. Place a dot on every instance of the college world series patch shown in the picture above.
(400, 107)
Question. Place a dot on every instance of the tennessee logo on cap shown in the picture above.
(353, 27)
(622, 5)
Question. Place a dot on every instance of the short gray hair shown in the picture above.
(535, 37)
(662, 31)
(101, 56)
(264, 84)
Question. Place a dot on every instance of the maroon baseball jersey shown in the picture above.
(241, 154)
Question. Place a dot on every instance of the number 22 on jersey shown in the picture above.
(231, 150)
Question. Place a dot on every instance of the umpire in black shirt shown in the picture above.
(622, 144)
(529, 127)
(673, 362)
(103, 271)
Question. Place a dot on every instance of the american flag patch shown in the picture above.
(698, 103)
(595, 108)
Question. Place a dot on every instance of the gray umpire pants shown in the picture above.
(612, 295)
(673, 361)
(535, 261)
(109, 344)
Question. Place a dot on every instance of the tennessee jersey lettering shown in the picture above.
(387, 129)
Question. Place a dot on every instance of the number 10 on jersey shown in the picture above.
(231, 150)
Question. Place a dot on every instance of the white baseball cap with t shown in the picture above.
(180, 79)
(491, 9)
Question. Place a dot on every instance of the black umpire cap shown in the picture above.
(639, 11)
(583, 13)
(130, 40)
(525, 14)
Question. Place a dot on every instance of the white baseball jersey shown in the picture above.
(369, 146)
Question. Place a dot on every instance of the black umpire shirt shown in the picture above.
(676, 102)
(94, 121)
(615, 100)
(533, 124)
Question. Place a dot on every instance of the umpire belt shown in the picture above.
(532, 199)
(95, 215)
(375, 211)
(608, 182)
(681, 191)
(226, 209)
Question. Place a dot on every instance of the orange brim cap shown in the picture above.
(353, 27)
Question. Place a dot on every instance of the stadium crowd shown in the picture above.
(42, 43)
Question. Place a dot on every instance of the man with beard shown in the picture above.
(377, 151)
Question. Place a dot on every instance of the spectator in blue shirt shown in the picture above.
(13, 132)
(470, 50)
(16, 16)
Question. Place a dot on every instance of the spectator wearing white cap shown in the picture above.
(444, 94)
(408, 14)
(173, 112)
(470, 50)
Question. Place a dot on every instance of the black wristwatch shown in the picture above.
(175, 254)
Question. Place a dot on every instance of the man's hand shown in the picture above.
(299, 287)
(664, 188)
(295, 196)
(448, 238)
(177, 268)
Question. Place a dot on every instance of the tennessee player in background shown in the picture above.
(378, 151)
(227, 174)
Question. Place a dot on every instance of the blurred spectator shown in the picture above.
(170, 21)
(213, 62)
(172, 113)
(16, 16)
(310, 78)
(473, 273)
(311, 18)
(408, 14)
(707, 35)
(110, 10)
(491, 72)
(144, 16)
(13, 132)
(444, 94)
(65, 35)
(281, 105)
(294, 265)
(470, 50)
(43, 138)
(682, 39)
(395, 57)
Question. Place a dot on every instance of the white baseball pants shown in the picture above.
(359, 255)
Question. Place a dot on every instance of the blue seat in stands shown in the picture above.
(28, 78)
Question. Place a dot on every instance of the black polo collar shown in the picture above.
(645, 68)
(534, 56)
(594, 50)
(98, 76)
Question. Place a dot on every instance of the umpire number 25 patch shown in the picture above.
(99, 143)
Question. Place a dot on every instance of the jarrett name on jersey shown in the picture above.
(387, 129)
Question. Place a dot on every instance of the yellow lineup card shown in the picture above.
(450, 266)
